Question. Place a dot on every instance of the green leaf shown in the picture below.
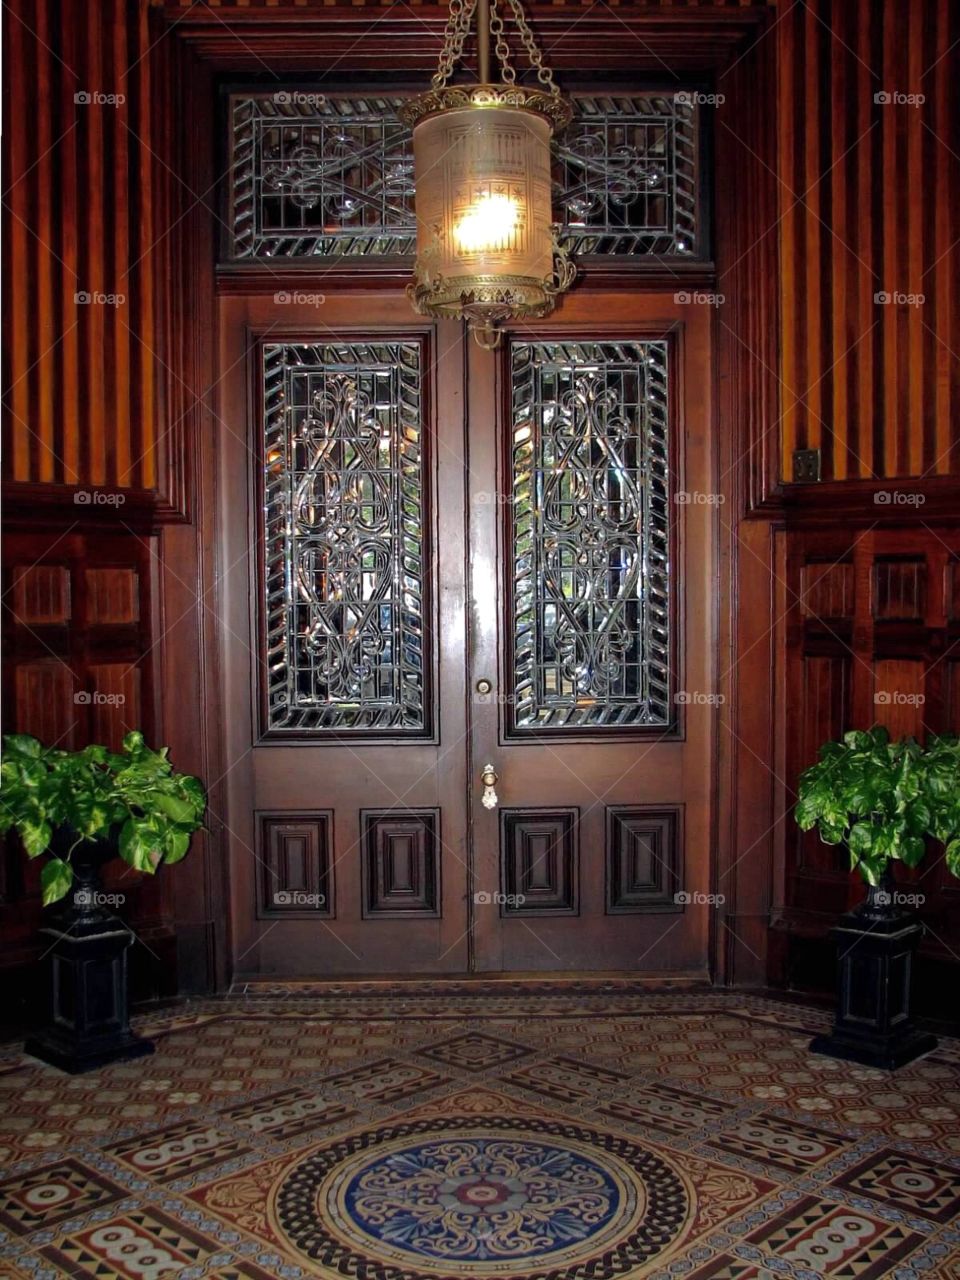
(133, 741)
(35, 835)
(23, 744)
(55, 880)
(140, 844)
(912, 850)
(175, 846)
(953, 857)
(175, 808)
(861, 839)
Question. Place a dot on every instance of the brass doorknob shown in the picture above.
(488, 777)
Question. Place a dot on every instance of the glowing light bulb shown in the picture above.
(488, 224)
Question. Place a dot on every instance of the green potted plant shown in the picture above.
(885, 802)
(78, 810)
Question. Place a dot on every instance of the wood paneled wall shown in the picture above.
(81, 404)
(869, 172)
(866, 193)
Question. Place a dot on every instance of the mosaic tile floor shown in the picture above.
(528, 1132)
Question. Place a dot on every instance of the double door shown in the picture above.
(467, 638)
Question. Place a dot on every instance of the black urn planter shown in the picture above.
(87, 1021)
(876, 942)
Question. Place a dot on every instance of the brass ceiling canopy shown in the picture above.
(487, 247)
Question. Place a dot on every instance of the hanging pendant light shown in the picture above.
(487, 247)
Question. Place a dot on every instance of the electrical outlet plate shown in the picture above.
(806, 466)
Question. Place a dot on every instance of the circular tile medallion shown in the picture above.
(489, 1196)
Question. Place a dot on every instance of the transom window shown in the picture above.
(317, 175)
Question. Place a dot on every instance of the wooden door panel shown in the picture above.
(361, 380)
(613, 727)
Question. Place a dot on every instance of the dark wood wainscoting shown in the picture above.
(872, 636)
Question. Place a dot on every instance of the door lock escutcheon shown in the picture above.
(484, 686)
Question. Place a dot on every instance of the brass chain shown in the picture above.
(544, 74)
(502, 48)
(459, 18)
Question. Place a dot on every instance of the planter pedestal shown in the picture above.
(876, 943)
(87, 1024)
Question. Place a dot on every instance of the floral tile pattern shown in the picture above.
(451, 1131)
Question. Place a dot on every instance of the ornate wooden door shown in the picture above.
(419, 585)
(442, 564)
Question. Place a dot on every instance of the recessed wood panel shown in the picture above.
(644, 859)
(824, 716)
(296, 864)
(899, 697)
(41, 594)
(899, 588)
(826, 589)
(401, 862)
(113, 595)
(45, 707)
(539, 861)
(113, 698)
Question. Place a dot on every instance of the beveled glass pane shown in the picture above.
(590, 544)
(344, 528)
(332, 175)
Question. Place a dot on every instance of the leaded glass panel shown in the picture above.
(590, 544)
(332, 175)
(344, 591)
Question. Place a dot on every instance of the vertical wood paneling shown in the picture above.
(80, 408)
(866, 191)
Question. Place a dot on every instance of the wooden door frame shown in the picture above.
(193, 47)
